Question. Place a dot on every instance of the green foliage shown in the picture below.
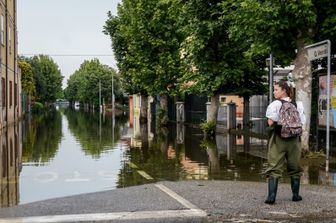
(213, 62)
(162, 116)
(83, 84)
(314, 154)
(47, 76)
(146, 44)
(214, 46)
(37, 107)
(27, 79)
(280, 27)
(208, 128)
(208, 143)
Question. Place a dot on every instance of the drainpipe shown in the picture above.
(1, 108)
(16, 84)
(6, 63)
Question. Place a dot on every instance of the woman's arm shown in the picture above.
(272, 112)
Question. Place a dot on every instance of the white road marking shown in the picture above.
(132, 165)
(108, 216)
(46, 177)
(141, 172)
(284, 213)
(278, 212)
(177, 197)
(76, 178)
(145, 175)
(237, 220)
(165, 189)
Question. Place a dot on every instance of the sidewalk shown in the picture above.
(183, 201)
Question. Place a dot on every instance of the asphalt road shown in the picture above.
(183, 201)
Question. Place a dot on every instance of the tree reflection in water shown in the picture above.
(93, 132)
(181, 153)
(43, 138)
(99, 154)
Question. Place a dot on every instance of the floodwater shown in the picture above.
(67, 152)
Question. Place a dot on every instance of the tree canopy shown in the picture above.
(27, 78)
(160, 46)
(213, 61)
(83, 84)
(284, 28)
(48, 78)
(217, 46)
(146, 42)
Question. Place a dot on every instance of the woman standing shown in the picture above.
(282, 149)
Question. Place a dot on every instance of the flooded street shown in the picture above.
(68, 152)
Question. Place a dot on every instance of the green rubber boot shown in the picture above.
(272, 190)
(295, 185)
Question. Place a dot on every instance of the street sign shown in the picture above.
(318, 52)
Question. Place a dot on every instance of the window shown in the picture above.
(15, 94)
(3, 85)
(10, 94)
(222, 99)
(9, 40)
(2, 27)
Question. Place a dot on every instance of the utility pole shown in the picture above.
(100, 106)
(112, 94)
(270, 78)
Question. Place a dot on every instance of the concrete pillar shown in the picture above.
(180, 130)
(207, 110)
(231, 115)
(180, 117)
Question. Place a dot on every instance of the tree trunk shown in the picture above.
(303, 82)
(213, 110)
(164, 109)
(213, 160)
(143, 109)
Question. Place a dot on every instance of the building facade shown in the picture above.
(10, 81)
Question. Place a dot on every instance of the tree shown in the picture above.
(27, 79)
(118, 28)
(48, 78)
(146, 41)
(83, 84)
(284, 28)
(213, 62)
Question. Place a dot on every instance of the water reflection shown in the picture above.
(66, 152)
(10, 158)
(42, 136)
(94, 132)
(180, 152)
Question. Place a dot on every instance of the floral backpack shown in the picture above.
(289, 123)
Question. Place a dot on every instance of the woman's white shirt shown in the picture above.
(273, 109)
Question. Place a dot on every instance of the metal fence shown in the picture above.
(195, 117)
(258, 119)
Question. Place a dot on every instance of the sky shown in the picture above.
(61, 28)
